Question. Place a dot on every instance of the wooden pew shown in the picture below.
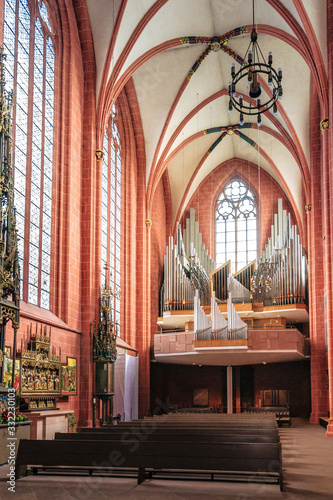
(254, 460)
(181, 430)
(197, 437)
(249, 420)
(282, 414)
(150, 427)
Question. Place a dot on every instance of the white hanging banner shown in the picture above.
(119, 386)
(131, 387)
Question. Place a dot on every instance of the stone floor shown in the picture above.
(307, 464)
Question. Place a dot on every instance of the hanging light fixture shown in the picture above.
(254, 65)
(261, 281)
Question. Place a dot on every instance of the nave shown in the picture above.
(307, 465)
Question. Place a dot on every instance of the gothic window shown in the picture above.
(111, 206)
(30, 74)
(236, 226)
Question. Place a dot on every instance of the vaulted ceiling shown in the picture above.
(147, 40)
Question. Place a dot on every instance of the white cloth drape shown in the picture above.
(126, 375)
(131, 387)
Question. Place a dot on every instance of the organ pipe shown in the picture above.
(219, 279)
(218, 328)
(238, 291)
(285, 257)
(237, 329)
(219, 323)
(187, 266)
(202, 325)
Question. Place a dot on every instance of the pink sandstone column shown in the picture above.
(329, 215)
(314, 218)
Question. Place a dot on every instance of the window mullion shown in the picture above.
(29, 162)
(236, 240)
(115, 228)
(108, 243)
(42, 181)
(15, 79)
(234, 209)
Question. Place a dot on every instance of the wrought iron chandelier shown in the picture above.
(255, 66)
(261, 281)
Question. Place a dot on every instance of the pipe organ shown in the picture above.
(177, 290)
(219, 323)
(237, 329)
(244, 277)
(218, 328)
(281, 277)
(202, 325)
(187, 266)
(238, 291)
(219, 281)
(193, 242)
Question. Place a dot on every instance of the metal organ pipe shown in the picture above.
(287, 258)
(238, 291)
(202, 325)
(219, 323)
(178, 291)
(237, 329)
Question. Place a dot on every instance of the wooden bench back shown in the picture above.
(250, 457)
(179, 430)
(162, 436)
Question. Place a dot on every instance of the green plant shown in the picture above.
(19, 417)
(71, 422)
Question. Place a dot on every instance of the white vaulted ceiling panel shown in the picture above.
(157, 83)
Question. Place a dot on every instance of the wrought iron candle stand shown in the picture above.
(105, 351)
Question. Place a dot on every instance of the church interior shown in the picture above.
(167, 213)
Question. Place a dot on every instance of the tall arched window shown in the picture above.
(30, 74)
(236, 226)
(111, 206)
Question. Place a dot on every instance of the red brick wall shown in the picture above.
(203, 200)
(294, 377)
(136, 269)
(158, 246)
(327, 195)
(174, 384)
(66, 255)
(74, 78)
(89, 202)
(319, 393)
(61, 336)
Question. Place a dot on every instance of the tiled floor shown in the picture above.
(307, 465)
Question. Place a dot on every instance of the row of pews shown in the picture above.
(238, 445)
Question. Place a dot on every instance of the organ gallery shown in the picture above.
(166, 227)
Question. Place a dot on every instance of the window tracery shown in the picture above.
(111, 210)
(236, 226)
(30, 74)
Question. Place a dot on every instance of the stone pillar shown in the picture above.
(315, 231)
(329, 221)
(238, 391)
(229, 390)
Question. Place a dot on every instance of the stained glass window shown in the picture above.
(31, 77)
(236, 226)
(111, 210)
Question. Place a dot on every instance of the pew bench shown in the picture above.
(257, 461)
(282, 414)
(149, 428)
(197, 437)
